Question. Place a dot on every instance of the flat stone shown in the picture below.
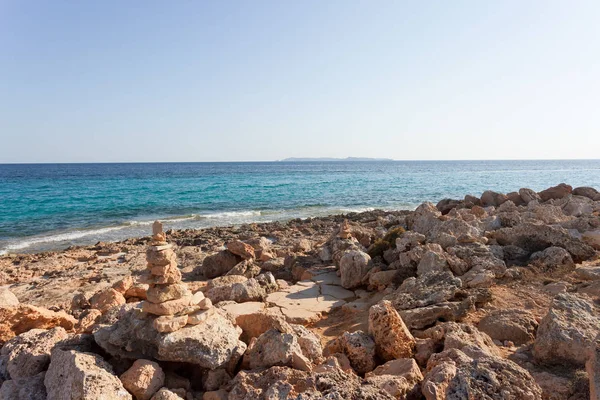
(588, 273)
(170, 307)
(237, 309)
(303, 302)
(337, 291)
(200, 316)
(168, 323)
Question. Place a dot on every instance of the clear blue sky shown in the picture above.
(92, 81)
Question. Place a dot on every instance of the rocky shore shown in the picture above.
(485, 297)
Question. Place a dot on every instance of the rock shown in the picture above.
(552, 258)
(288, 383)
(138, 291)
(392, 338)
(77, 375)
(255, 323)
(425, 290)
(215, 379)
(219, 264)
(28, 354)
(432, 262)
(170, 307)
(247, 290)
(409, 240)
(245, 268)
(491, 198)
(518, 326)
(354, 265)
(30, 388)
(400, 378)
(123, 285)
(200, 317)
(7, 298)
(424, 219)
(592, 366)
(567, 331)
(276, 348)
(532, 238)
(166, 394)
(588, 192)
(302, 246)
(309, 343)
(529, 195)
(446, 205)
(382, 279)
(211, 344)
(303, 303)
(453, 375)
(359, 347)
(556, 192)
(169, 323)
(241, 249)
(15, 320)
(162, 293)
(107, 299)
(467, 339)
(590, 273)
(216, 395)
(143, 379)
(592, 238)
(515, 198)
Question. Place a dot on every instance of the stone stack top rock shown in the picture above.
(345, 232)
(169, 299)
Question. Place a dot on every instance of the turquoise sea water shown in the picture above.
(52, 206)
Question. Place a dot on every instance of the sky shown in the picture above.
(121, 81)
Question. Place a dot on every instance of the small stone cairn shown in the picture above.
(345, 231)
(168, 298)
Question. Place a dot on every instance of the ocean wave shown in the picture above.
(231, 214)
(61, 237)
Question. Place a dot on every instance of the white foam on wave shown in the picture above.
(61, 237)
(231, 214)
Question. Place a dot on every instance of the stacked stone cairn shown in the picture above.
(168, 298)
(345, 231)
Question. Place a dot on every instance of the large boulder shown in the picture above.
(556, 192)
(274, 348)
(401, 378)
(567, 331)
(86, 376)
(289, 383)
(588, 192)
(30, 388)
(28, 354)
(535, 237)
(517, 326)
(354, 265)
(211, 344)
(239, 290)
(552, 258)
(491, 198)
(453, 375)
(15, 320)
(219, 264)
(241, 249)
(392, 338)
(359, 347)
(528, 195)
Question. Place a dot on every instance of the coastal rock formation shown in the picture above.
(481, 297)
(172, 324)
(77, 375)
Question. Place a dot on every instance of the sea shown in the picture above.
(53, 206)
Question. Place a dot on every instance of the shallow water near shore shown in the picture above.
(52, 206)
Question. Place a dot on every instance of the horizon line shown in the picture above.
(299, 160)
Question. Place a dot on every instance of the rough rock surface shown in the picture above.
(86, 376)
(354, 265)
(567, 331)
(392, 338)
(452, 375)
(28, 354)
(518, 326)
(143, 379)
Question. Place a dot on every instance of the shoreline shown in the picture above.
(486, 285)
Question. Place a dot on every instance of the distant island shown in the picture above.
(300, 159)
